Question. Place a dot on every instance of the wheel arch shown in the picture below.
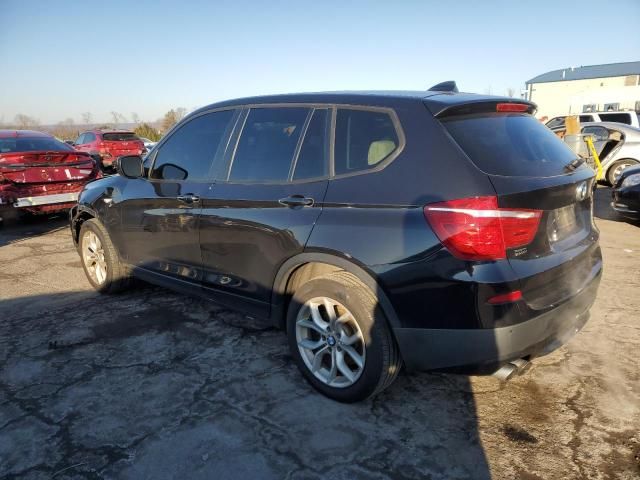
(308, 265)
(81, 215)
(616, 162)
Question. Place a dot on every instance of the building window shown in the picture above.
(592, 107)
(611, 107)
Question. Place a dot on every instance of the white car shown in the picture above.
(628, 117)
(148, 144)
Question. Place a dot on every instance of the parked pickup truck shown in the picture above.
(627, 117)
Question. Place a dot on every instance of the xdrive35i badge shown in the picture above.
(581, 191)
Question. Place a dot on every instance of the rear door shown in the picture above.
(262, 209)
(529, 169)
(160, 214)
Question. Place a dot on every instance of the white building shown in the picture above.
(614, 86)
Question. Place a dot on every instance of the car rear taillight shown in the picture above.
(476, 229)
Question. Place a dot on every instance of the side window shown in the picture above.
(555, 122)
(267, 144)
(80, 139)
(190, 151)
(586, 118)
(312, 160)
(616, 117)
(600, 133)
(89, 138)
(363, 139)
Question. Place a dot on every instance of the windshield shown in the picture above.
(32, 144)
(119, 136)
(510, 145)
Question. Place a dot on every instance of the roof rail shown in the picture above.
(448, 86)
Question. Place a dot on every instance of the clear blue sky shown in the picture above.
(61, 58)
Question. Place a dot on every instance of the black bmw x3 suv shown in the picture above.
(434, 229)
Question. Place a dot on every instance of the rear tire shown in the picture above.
(100, 260)
(616, 169)
(352, 357)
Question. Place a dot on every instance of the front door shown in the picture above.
(263, 210)
(160, 214)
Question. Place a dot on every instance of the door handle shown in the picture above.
(296, 201)
(189, 198)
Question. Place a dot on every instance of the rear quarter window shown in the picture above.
(510, 145)
(363, 140)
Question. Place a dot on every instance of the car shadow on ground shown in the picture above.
(158, 385)
(16, 229)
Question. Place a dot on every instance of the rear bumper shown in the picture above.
(484, 350)
(627, 202)
(46, 199)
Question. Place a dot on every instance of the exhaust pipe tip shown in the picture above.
(505, 372)
(522, 365)
(514, 367)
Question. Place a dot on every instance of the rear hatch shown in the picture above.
(25, 168)
(119, 144)
(532, 172)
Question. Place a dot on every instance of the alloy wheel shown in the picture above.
(330, 342)
(618, 171)
(93, 257)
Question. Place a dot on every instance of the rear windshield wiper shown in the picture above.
(574, 164)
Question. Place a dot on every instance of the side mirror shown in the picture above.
(130, 166)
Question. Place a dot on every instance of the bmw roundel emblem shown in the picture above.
(581, 191)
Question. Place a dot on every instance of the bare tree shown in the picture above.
(66, 129)
(511, 92)
(25, 121)
(488, 90)
(86, 118)
(118, 118)
(135, 118)
(180, 113)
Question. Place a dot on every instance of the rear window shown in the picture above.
(32, 144)
(616, 117)
(119, 137)
(556, 122)
(510, 145)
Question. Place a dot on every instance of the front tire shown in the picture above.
(340, 339)
(100, 260)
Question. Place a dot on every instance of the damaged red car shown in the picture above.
(107, 146)
(40, 174)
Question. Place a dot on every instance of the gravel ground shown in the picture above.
(151, 384)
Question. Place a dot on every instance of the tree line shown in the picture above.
(67, 129)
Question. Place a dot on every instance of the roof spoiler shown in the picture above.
(448, 86)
